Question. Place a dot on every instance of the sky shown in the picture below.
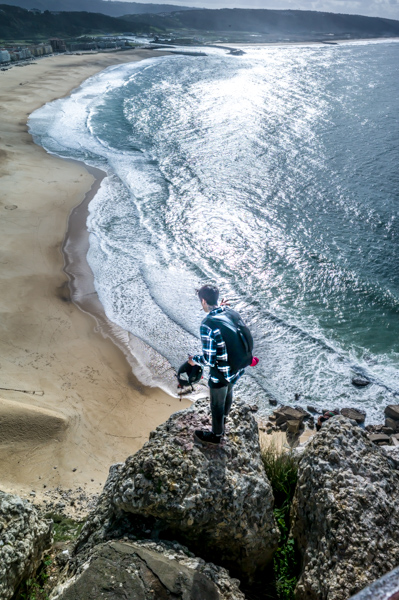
(372, 8)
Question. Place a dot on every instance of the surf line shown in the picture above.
(357, 369)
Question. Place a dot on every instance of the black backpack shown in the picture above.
(189, 374)
(237, 337)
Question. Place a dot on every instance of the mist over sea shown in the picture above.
(274, 174)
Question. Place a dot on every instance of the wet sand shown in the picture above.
(69, 404)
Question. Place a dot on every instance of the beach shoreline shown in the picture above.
(82, 292)
(70, 405)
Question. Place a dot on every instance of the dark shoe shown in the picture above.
(207, 437)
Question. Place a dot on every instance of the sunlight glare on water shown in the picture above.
(273, 173)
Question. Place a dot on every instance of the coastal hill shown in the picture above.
(112, 9)
(230, 25)
(297, 22)
(21, 24)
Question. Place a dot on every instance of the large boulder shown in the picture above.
(392, 412)
(345, 515)
(288, 414)
(392, 424)
(24, 537)
(354, 414)
(216, 500)
(146, 571)
(380, 438)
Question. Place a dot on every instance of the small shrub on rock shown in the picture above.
(36, 587)
(282, 471)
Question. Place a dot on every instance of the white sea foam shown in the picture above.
(242, 170)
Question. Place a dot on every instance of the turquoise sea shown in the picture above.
(274, 174)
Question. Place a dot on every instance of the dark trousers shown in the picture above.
(221, 400)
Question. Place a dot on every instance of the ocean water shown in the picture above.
(274, 174)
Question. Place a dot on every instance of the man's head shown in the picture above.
(209, 296)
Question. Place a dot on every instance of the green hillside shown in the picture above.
(297, 22)
(17, 23)
(113, 9)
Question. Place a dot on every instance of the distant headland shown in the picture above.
(31, 22)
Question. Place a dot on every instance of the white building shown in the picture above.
(4, 56)
(24, 53)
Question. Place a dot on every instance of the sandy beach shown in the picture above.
(69, 403)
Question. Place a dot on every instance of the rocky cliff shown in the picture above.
(218, 501)
(345, 516)
(146, 571)
(24, 537)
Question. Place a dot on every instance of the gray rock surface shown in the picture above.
(354, 414)
(360, 381)
(146, 571)
(392, 452)
(287, 413)
(379, 438)
(24, 537)
(394, 425)
(345, 515)
(216, 500)
(293, 426)
(385, 588)
(392, 411)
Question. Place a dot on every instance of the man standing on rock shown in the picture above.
(227, 349)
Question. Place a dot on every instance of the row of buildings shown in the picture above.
(101, 44)
(17, 53)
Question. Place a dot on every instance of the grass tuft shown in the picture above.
(65, 529)
(35, 588)
(282, 471)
